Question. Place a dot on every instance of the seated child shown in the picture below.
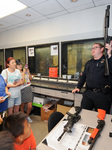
(19, 127)
(6, 141)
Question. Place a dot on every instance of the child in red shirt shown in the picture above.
(19, 127)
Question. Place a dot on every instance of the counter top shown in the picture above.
(63, 86)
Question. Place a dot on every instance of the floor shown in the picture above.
(39, 128)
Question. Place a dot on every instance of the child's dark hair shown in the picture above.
(15, 123)
(6, 141)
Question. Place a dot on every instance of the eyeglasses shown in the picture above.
(95, 47)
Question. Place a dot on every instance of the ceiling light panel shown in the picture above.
(8, 7)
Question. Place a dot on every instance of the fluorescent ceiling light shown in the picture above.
(8, 7)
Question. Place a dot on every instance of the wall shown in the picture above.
(79, 25)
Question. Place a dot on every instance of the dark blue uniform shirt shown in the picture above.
(94, 72)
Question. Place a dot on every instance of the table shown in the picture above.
(104, 142)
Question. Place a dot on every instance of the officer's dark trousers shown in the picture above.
(95, 100)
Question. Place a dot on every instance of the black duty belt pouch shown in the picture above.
(107, 89)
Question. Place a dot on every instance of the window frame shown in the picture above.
(42, 46)
(66, 43)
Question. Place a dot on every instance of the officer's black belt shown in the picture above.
(95, 90)
(107, 89)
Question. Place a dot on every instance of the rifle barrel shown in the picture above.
(61, 136)
(107, 15)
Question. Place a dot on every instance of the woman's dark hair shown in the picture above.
(18, 62)
(8, 61)
(15, 123)
(6, 141)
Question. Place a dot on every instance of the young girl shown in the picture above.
(26, 92)
(13, 79)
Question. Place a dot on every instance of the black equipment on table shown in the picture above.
(72, 118)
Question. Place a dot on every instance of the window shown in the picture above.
(43, 59)
(1, 60)
(17, 53)
(75, 54)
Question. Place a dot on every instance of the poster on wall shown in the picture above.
(31, 51)
(54, 50)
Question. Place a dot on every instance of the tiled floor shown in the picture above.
(39, 128)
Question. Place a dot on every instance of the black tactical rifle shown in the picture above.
(72, 118)
(106, 39)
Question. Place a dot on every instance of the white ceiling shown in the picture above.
(46, 9)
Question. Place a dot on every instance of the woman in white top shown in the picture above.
(26, 92)
(13, 79)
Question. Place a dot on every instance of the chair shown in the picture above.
(54, 118)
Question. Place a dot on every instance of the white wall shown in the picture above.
(79, 25)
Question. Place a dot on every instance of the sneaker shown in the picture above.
(29, 119)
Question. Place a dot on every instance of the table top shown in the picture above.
(89, 118)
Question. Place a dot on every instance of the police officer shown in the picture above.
(98, 86)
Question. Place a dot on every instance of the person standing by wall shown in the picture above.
(13, 79)
(98, 86)
(26, 92)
